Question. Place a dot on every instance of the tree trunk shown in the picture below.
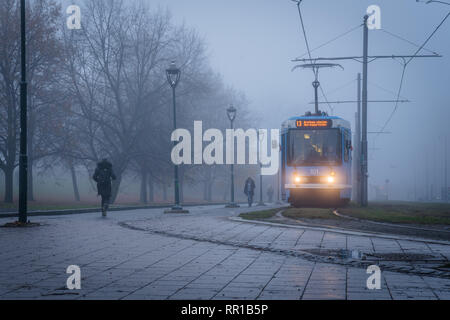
(151, 190)
(74, 183)
(143, 186)
(9, 182)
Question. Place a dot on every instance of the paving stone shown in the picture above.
(202, 255)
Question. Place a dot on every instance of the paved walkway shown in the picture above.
(144, 254)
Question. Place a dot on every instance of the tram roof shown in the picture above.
(337, 122)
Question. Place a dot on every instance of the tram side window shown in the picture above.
(347, 145)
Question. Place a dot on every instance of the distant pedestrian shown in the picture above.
(103, 176)
(249, 190)
(270, 193)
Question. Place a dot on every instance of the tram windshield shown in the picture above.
(314, 147)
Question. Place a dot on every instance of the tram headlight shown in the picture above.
(330, 179)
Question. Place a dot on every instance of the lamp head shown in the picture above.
(231, 112)
(173, 74)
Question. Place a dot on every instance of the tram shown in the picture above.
(316, 161)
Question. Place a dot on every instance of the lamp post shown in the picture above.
(278, 178)
(173, 77)
(231, 113)
(23, 158)
(260, 203)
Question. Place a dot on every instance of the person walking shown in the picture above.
(249, 190)
(103, 175)
(270, 193)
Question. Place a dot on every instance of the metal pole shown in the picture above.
(260, 187)
(278, 180)
(415, 180)
(23, 159)
(177, 192)
(357, 151)
(232, 204)
(387, 189)
(358, 137)
(316, 85)
(232, 175)
(261, 203)
(355, 163)
(364, 157)
(427, 184)
(445, 171)
(232, 184)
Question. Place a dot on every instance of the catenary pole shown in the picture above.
(364, 151)
(358, 141)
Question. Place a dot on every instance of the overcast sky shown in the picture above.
(251, 43)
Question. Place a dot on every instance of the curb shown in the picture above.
(93, 210)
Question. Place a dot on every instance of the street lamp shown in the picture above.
(260, 203)
(173, 77)
(231, 113)
(23, 158)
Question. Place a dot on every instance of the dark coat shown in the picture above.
(104, 187)
(249, 187)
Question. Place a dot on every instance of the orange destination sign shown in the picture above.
(314, 123)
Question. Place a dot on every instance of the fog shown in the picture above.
(251, 44)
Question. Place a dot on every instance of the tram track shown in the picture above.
(338, 214)
(344, 222)
(395, 262)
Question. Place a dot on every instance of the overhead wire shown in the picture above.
(315, 70)
(384, 89)
(332, 40)
(342, 87)
(404, 69)
(405, 40)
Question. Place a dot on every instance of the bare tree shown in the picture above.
(116, 66)
(43, 61)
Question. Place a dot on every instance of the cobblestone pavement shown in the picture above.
(145, 254)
